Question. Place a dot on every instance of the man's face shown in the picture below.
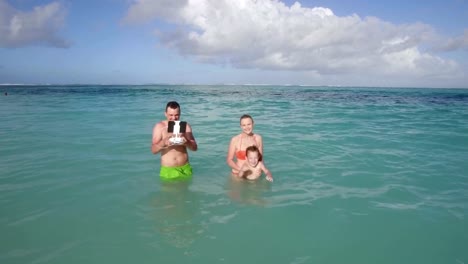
(172, 114)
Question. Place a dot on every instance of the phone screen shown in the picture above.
(171, 124)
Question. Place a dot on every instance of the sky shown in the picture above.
(320, 43)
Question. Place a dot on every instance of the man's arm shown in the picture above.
(157, 143)
(191, 143)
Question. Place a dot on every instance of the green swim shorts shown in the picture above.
(176, 173)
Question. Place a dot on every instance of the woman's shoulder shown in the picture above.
(235, 138)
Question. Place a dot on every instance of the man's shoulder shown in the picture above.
(160, 125)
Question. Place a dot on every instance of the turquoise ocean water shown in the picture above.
(362, 175)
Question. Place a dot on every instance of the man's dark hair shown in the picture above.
(173, 105)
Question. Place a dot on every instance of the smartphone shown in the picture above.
(182, 125)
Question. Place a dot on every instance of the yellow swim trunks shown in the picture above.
(176, 173)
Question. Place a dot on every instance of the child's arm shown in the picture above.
(242, 169)
(269, 177)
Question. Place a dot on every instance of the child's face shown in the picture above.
(252, 157)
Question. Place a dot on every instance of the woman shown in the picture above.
(239, 144)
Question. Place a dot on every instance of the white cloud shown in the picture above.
(268, 35)
(39, 26)
(458, 43)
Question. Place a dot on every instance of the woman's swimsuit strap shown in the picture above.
(241, 154)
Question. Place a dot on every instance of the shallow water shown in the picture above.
(362, 175)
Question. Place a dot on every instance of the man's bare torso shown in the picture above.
(172, 156)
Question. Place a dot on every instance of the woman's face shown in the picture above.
(246, 125)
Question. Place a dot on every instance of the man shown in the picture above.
(174, 158)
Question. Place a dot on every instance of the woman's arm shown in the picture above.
(259, 141)
(231, 153)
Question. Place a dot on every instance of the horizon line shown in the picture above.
(222, 84)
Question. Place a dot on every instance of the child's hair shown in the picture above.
(254, 148)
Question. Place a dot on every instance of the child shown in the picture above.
(253, 167)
